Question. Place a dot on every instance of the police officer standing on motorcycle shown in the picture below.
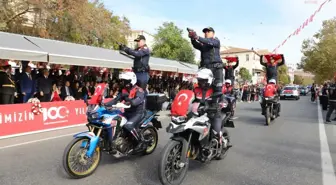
(332, 100)
(210, 55)
(135, 97)
(141, 60)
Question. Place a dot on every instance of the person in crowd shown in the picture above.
(92, 87)
(115, 90)
(77, 91)
(313, 92)
(141, 60)
(332, 101)
(253, 93)
(27, 84)
(86, 92)
(44, 86)
(134, 96)
(66, 90)
(7, 85)
(324, 96)
(55, 95)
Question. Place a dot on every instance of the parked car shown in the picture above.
(290, 92)
(303, 91)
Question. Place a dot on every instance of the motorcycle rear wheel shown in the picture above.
(80, 158)
(152, 136)
(171, 157)
(268, 116)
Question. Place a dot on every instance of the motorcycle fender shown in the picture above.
(156, 123)
(229, 123)
(93, 141)
(185, 145)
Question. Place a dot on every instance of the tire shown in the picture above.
(224, 150)
(151, 149)
(163, 162)
(268, 116)
(69, 170)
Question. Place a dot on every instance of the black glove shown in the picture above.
(192, 35)
(122, 47)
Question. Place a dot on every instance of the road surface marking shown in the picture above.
(328, 171)
(41, 131)
(36, 141)
(235, 117)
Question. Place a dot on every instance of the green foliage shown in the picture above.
(283, 77)
(245, 74)
(170, 44)
(298, 80)
(78, 21)
(319, 56)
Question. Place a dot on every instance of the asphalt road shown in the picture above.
(285, 153)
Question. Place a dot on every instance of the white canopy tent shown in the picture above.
(16, 47)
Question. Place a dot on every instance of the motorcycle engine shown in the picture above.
(121, 145)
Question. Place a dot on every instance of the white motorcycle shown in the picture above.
(193, 138)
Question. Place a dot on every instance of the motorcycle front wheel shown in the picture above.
(170, 173)
(76, 163)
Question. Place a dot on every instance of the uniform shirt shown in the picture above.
(210, 50)
(141, 58)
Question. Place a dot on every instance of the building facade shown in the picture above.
(134, 34)
(249, 59)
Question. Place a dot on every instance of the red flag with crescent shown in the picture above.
(182, 103)
(98, 94)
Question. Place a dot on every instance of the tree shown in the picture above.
(298, 80)
(319, 56)
(283, 77)
(79, 21)
(170, 44)
(245, 74)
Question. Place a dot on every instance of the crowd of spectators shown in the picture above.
(53, 85)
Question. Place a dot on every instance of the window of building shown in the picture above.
(247, 57)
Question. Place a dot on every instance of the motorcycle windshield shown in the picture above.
(181, 105)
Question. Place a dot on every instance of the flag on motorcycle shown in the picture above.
(98, 94)
(181, 105)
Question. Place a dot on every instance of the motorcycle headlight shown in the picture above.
(178, 119)
(93, 115)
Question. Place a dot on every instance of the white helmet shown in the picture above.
(130, 76)
(228, 81)
(205, 74)
(272, 81)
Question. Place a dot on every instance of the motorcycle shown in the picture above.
(106, 134)
(193, 138)
(269, 104)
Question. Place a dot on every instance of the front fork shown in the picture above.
(185, 148)
(93, 139)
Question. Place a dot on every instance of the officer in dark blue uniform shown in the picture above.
(134, 96)
(141, 59)
(210, 55)
(332, 100)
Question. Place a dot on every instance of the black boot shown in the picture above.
(140, 142)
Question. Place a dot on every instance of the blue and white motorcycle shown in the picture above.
(106, 133)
